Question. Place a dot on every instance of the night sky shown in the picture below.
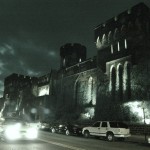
(32, 31)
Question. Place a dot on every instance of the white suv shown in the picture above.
(108, 129)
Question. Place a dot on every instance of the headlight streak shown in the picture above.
(32, 133)
(14, 132)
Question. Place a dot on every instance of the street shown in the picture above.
(52, 141)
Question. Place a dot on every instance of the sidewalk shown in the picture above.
(138, 138)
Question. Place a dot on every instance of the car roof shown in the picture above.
(14, 119)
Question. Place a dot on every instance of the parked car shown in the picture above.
(148, 140)
(15, 129)
(44, 125)
(66, 128)
(108, 129)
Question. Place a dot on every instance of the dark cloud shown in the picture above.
(32, 31)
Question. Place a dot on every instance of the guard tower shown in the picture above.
(72, 54)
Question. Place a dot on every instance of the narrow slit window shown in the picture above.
(125, 44)
(118, 47)
(112, 50)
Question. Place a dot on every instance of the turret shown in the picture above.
(72, 54)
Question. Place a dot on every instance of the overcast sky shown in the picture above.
(32, 31)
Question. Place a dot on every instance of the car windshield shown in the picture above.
(13, 121)
(118, 125)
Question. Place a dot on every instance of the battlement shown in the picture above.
(78, 68)
(71, 54)
(18, 78)
(126, 25)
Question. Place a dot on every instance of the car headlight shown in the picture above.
(148, 140)
(12, 132)
(32, 133)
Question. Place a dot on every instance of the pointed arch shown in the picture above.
(125, 44)
(90, 90)
(112, 86)
(77, 93)
(123, 31)
(104, 40)
(110, 37)
(98, 43)
(127, 82)
(116, 34)
(119, 83)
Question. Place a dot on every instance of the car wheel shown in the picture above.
(86, 134)
(110, 137)
(53, 130)
(67, 132)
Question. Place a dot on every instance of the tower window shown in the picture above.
(64, 62)
(112, 50)
(125, 44)
(118, 46)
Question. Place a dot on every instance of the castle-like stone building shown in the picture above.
(105, 87)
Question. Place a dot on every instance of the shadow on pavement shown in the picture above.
(24, 142)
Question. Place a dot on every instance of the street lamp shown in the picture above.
(143, 108)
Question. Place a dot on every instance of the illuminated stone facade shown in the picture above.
(123, 55)
(23, 94)
(17, 91)
(107, 86)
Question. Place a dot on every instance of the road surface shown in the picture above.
(53, 141)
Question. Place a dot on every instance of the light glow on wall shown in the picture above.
(139, 110)
(43, 90)
(119, 74)
(90, 90)
(89, 113)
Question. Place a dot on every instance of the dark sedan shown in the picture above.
(44, 125)
(66, 128)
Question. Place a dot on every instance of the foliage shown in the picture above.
(140, 80)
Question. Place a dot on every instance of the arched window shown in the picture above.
(64, 62)
(77, 102)
(90, 90)
(120, 81)
(125, 44)
(113, 82)
(112, 49)
(118, 46)
(127, 84)
(104, 40)
(81, 90)
(116, 34)
(98, 43)
(110, 37)
(129, 11)
(123, 31)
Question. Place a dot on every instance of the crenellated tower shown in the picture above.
(72, 54)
